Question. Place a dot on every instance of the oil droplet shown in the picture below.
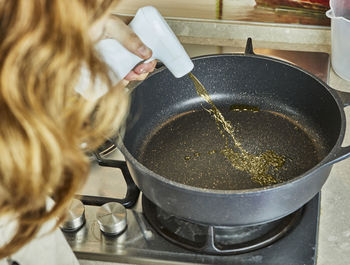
(212, 152)
(187, 158)
(197, 154)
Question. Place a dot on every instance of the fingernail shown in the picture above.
(141, 70)
(144, 51)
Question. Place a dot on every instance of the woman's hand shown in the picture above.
(113, 27)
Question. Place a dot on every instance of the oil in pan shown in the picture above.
(234, 148)
(258, 166)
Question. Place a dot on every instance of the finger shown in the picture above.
(145, 67)
(141, 77)
(132, 76)
(117, 29)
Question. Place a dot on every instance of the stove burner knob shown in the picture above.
(75, 217)
(111, 218)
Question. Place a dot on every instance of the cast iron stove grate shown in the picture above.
(218, 240)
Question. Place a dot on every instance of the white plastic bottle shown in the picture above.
(155, 33)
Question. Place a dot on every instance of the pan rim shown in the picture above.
(252, 191)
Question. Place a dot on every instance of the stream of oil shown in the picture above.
(258, 166)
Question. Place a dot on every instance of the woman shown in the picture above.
(46, 127)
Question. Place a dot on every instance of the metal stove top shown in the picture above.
(139, 243)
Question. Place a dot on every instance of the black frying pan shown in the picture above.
(170, 139)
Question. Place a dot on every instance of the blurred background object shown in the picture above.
(310, 5)
(307, 12)
(340, 30)
(301, 12)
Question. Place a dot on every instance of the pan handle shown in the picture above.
(344, 97)
(340, 153)
(337, 155)
(132, 193)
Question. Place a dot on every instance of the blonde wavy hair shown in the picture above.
(43, 44)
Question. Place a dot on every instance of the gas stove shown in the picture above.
(142, 233)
